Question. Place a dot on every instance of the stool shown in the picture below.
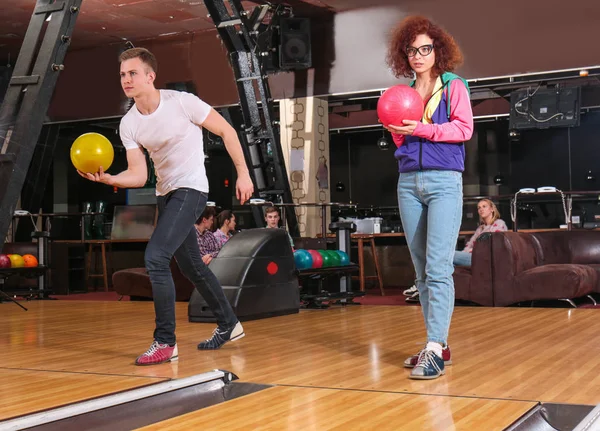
(361, 264)
(93, 244)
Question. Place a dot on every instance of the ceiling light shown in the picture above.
(383, 143)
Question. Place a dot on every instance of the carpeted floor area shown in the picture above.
(373, 297)
(92, 296)
(393, 296)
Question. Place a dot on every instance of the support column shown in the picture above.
(305, 144)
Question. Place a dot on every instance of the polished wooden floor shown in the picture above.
(331, 369)
(300, 408)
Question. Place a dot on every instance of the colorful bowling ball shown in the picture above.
(4, 261)
(30, 260)
(335, 258)
(399, 103)
(16, 261)
(90, 151)
(303, 259)
(326, 258)
(344, 259)
(317, 259)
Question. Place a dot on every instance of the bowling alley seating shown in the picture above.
(135, 283)
(513, 267)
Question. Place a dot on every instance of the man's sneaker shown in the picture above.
(221, 336)
(411, 361)
(411, 291)
(430, 366)
(158, 354)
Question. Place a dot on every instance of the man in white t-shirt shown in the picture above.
(168, 125)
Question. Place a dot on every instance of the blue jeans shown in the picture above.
(175, 235)
(431, 205)
(462, 258)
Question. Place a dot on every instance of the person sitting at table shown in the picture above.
(208, 244)
(225, 226)
(272, 218)
(489, 221)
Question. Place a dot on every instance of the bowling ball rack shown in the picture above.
(321, 298)
(26, 272)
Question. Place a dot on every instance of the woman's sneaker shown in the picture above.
(413, 299)
(158, 354)
(430, 366)
(221, 336)
(411, 361)
(411, 291)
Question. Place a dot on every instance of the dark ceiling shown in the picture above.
(109, 21)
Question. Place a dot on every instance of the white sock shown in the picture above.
(435, 347)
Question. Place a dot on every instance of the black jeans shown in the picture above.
(175, 235)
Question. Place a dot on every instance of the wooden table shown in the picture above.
(105, 251)
(370, 237)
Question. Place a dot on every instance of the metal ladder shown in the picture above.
(258, 132)
(28, 96)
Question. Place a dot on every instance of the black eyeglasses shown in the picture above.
(424, 50)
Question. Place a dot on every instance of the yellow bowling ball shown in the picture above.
(90, 151)
(16, 261)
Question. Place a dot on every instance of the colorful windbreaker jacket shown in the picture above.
(438, 140)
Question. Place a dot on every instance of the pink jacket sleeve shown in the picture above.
(460, 127)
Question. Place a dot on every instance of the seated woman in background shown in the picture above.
(489, 221)
(225, 226)
(208, 244)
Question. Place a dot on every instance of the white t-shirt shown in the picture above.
(172, 134)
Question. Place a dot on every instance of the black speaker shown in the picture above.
(257, 272)
(294, 43)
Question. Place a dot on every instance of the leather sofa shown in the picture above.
(512, 267)
(134, 282)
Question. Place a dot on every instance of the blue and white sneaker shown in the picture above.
(429, 366)
(221, 336)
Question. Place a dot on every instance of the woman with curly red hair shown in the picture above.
(431, 155)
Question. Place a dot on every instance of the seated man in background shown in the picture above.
(208, 244)
(272, 218)
(225, 226)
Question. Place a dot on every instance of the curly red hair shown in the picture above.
(447, 53)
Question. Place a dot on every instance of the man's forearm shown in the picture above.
(128, 180)
(234, 148)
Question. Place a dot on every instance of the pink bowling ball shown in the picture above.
(317, 259)
(4, 261)
(399, 103)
